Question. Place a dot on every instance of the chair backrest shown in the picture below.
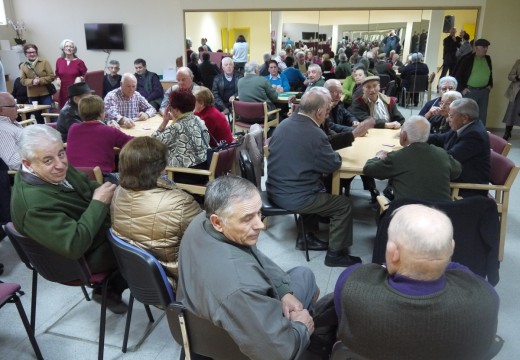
(384, 79)
(498, 144)
(249, 110)
(501, 170)
(49, 264)
(204, 338)
(391, 89)
(94, 79)
(224, 165)
(94, 174)
(418, 83)
(144, 274)
(246, 167)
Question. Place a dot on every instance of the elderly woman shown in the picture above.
(225, 86)
(150, 213)
(215, 121)
(69, 69)
(352, 85)
(439, 118)
(447, 83)
(187, 138)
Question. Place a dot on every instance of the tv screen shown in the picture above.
(104, 36)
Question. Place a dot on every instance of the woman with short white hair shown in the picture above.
(69, 69)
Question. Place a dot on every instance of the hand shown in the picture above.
(381, 154)
(279, 89)
(36, 81)
(355, 123)
(142, 116)
(434, 110)
(289, 304)
(104, 193)
(360, 130)
(305, 318)
(114, 124)
(393, 125)
(58, 81)
(465, 91)
(231, 99)
(127, 123)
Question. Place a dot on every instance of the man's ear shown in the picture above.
(216, 222)
(393, 252)
(27, 164)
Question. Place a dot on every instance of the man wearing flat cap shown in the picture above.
(70, 114)
(375, 105)
(474, 74)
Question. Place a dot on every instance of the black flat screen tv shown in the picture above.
(104, 36)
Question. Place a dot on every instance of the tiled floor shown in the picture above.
(67, 325)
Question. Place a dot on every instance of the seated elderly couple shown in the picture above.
(221, 272)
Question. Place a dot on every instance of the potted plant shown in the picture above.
(19, 27)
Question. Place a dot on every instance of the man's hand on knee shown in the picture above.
(305, 318)
(289, 304)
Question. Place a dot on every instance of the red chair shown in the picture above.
(94, 79)
(498, 144)
(8, 295)
(253, 110)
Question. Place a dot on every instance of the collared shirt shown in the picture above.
(380, 111)
(63, 183)
(314, 121)
(10, 134)
(118, 106)
(459, 131)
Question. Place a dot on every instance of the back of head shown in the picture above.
(241, 39)
(289, 61)
(35, 136)
(182, 100)
(266, 56)
(313, 100)
(331, 83)
(342, 57)
(224, 191)
(251, 67)
(451, 96)
(417, 129)
(466, 106)
(204, 96)
(91, 107)
(205, 56)
(141, 162)
(194, 57)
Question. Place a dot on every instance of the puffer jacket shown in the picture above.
(154, 220)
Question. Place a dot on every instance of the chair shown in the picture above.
(200, 336)
(391, 89)
(8, 295)
(502, 175)
(145, 276)
(253, 110)
(94, 79)
(498, 144)
(94, 173)
(384, 79)
(268, 208)
(221, 164)
(59, 269)
(418, 85)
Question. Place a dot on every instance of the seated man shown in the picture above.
(208, 70)
(299, 155)
(374, 104)
(58, 207)
(193, 65)
(264, 68)
(314, 77)
(184, 79)
(418, 170)
(10, 131)
(255, 88)
(467, 142)
(225, 86)
(112, 80)
(125, 105)
(278, 81)
(256, 296)
(69, 115)
(293, 75)
(280, 60)
(148, 84)
(421, 306)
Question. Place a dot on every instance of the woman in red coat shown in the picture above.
(215, 121)
(69, 69)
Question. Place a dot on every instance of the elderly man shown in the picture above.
(125, 105)
(225, 86)
(10, 131)
(264, 68)
(447, 83)
(467, 142)
(112, 80)
(418, 170)
(299, 154)
(255, 88)
(314, 77)
(69, 115)
(280, 60)
(421, 305)
(475, 75)
(57, 206)
(374, 104)
(224, 278)
(148, 84)
(301, 63)
(184, 82)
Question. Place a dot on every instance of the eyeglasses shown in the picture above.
(31, 52)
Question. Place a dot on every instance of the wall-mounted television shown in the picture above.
(104, 36)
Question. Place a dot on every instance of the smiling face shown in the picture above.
(69, 48)
(31, 54)
(50, 162)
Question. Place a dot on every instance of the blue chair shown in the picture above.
(145, 276)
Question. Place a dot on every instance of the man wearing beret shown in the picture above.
(70, 114)
(475, 76)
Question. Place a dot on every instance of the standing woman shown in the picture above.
(512, 116)
(36, 75)
(240, 51)
(69, 69)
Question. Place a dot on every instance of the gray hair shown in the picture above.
(227, 59)
(224, 191)
(185, 70)
(62, 47)
(342, 57)
(128, 76)
(451, 95)
(314, 99)
(299, 54)
(315, 66)
(446, 79)
(194, 56)
(466, 106)
(332, 82)
(114, 62)
(251, 67)
(417, 129)
(267, 56)
(282, 53)
(34, 136)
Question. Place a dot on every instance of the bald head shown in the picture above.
(415, 129)
(128, 85)
(8, 106)
(184, 78)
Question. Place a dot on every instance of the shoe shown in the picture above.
(313, 243)
(374, 193)
(114, 301)
(341, 258)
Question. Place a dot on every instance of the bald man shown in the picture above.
(10, 131)
(185, 82)
(421, 305)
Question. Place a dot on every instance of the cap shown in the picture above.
(78, 89)
(370, 78)
(482, 42)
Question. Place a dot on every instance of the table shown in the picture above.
(363, 148)
(30, 108)
(144, 128)
(283, 98)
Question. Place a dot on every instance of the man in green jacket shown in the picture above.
(58, 207)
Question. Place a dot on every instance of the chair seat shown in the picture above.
(243, 124)
(269, 209)
(93, 279)
(7, 290)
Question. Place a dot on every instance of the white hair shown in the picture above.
(34, 136)
(417, 129)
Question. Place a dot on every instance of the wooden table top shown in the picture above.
(144, 128)
(28, 108)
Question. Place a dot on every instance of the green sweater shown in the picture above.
(64, 220)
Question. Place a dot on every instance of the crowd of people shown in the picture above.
(208, 250)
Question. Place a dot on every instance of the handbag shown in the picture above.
(51, 89)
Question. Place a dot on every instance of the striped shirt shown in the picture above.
(118, 106)
(10, 134)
